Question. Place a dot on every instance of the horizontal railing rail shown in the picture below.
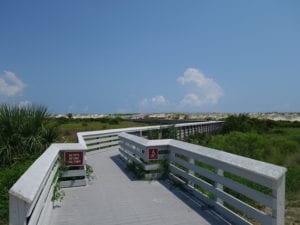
(241, 189)
(95, 140)
(30, 197)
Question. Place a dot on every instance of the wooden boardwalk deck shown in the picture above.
(115, 197)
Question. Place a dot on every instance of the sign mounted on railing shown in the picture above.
(73, 158)
(153, 153)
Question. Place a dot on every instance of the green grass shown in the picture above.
(69, 129)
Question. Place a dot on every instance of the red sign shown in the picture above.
(153, 153)
(73, 158)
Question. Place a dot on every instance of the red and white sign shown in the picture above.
(73, 158)
(153, 153)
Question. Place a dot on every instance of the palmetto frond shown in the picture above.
(24, 131)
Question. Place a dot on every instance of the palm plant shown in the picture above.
(24, 131)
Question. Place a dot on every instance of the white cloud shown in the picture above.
(153, 103)
(10, 84)
(205, 91)
(192, 100)
(158, 100)
(201, 92)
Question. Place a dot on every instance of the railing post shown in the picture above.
(191, 172)
(279, 201)
(219, 186)
(17, 210)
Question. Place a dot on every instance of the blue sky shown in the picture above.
(151, 56)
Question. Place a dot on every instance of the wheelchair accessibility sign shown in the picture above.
(153, 153)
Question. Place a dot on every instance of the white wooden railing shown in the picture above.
(222, 180)
(95, 140)
(135, 149)
(30, 197)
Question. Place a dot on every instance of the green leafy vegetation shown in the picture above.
(8, 176)
(58, 194)
(276, 142)
(68, 127)
(170, 132)
(244, 123)
(153, 134)
(137, 169)
(163, 133)
(89, 172)
(23, 132)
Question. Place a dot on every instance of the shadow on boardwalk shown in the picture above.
(194, 204)
(122, 165)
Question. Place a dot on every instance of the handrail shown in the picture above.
(207, 173)
(30, 197)
(95, 140)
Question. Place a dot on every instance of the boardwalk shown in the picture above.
(114, 197)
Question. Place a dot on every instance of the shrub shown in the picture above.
(153, 134)
(23, 132)
(244, 123)
(170, 132)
